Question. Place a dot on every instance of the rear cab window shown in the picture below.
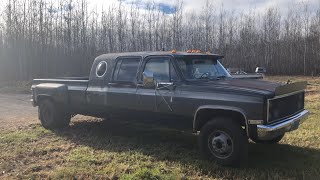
(101, 69)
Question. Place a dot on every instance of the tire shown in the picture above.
(271, 141)
(224, 141)
(51, 117)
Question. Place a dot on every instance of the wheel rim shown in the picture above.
(220, 144)
(46, 114)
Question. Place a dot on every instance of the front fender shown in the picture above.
(219, 107)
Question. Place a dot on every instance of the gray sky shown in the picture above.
(237, 5)
(197, 5)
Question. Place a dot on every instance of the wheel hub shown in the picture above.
(221, 144)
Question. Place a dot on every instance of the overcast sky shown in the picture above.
(196, 5)
(237, 5)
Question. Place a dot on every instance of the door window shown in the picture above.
(173, 73)
(162, 69)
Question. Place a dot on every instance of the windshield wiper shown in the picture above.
(204, 76)
(221, 77)
(216, 77)
(211, 77)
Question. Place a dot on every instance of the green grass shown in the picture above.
(95, 149)
(22, 136)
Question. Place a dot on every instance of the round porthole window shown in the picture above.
(101, 69)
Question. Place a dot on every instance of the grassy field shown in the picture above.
(95, 149)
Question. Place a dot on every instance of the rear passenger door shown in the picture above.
(122, 86)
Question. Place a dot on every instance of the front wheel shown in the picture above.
(52, 117)
(224, 141)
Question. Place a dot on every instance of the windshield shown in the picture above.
(202, 68)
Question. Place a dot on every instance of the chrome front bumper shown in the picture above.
(270, 131)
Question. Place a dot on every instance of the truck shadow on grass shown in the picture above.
(164, 143)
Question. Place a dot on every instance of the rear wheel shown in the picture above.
(224, 141)
(270, 141)
(52, 117)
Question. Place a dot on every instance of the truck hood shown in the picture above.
(248, 86)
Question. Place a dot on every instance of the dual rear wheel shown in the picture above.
(51, 116)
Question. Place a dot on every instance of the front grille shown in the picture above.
(285, 106)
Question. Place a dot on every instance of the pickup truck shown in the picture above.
(224, 112)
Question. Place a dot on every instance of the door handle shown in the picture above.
(165, 83)
(112, 84)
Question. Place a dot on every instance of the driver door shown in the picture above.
(159, 98)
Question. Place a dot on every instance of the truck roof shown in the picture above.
(111, 56)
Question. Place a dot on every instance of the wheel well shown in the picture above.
(205, 115)
(40, 98)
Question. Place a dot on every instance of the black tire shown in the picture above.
(51, 117)
(271, 141)
(232, 139)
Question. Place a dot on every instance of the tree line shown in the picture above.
(40, 38)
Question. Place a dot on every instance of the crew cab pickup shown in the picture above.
(225, 112)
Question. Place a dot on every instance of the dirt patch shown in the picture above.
(16, 111)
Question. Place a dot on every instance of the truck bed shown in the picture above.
(72, 89)
(77, 80)
(74, 78)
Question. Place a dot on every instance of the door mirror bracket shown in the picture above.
(148, 79)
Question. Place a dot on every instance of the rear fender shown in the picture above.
(58, 93)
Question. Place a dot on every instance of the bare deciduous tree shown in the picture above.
(40, 38)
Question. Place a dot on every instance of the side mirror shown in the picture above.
(148, 79)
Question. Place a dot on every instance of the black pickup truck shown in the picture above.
(195, 87)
